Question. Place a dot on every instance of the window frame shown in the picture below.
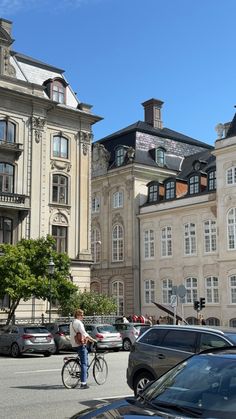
(231, 174)
(210, 236)
(194, 184)
(232, 288)
(60, 187)
(119, 155)
(166, 242)
(211, 180)
(96, 244)
(95, 204)
(7, 136)
(61, 240)
(191, 285)
(149, 243)
(166, 290)
(190, 240)
(212, 290)
(58, 154)
(170, 191)
(149, 291)
(7, 178)
(119, 297)
(231, 229)
(4, 232)
(118, 199)
(117, 243)
(160, 156)
(153, 192)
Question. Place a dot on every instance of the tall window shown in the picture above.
(191, 287)
(166, 241)
(118, 295)
(58, 92)
(120, 156)
(118, 199)
(209, 236)
(194, 184)
(167, 285)
(60, 235)
(7, 131)
(170, 190)
(232, 287)
(60, 189)
(231, 176)
(6, 230)
(96, 245)
(212, 180)
(212, 289)
(232, 229)
(160, 156)
(117, 243)
(149, 244)
(95, 204)
(60, 147)
(153, 192)
(190, 239)
(6, 177)
(149, 291)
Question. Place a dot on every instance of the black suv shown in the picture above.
(163, 346)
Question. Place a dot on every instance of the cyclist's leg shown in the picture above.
(100, 370)
(83, 354)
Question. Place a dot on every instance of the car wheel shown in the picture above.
(141, 381)
(126, 345)
(15, 350)
(47, 354)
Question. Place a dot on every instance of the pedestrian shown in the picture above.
(125, 320)
(202, 320)
(77, 326)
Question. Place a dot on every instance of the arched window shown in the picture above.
(96, 245)
(160, 157)
(231, 223)
(232, 323)
(149, 291)
(56, 89)
(60, 147)
(6, 178)
(120, 155)
(7, 131)
(192, 320)
(117, 243)
(212, 321)
(117, 292)
(191, 287)
(60, 189)
(167, 286)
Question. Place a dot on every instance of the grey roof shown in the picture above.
(29, 60)
(207, 160)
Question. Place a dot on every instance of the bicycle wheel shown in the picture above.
(70, 373)
(100, 370)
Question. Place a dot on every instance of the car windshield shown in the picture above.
(32, 330)
(106, 328)
(204, 384)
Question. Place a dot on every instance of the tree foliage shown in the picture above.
(91, 302)
(24, 272)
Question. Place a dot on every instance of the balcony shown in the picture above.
(14, 201)
(15, 148)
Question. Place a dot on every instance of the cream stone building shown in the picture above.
(45, 161)
(188, 235)
(122, 165)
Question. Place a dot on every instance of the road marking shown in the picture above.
(34, 371)
(113, 397)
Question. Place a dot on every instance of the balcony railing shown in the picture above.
(12, 200)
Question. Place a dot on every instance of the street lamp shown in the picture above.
(51, 270)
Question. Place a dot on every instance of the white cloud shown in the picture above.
(13, 6)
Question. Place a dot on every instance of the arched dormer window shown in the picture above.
(60, 147)
(56, 89)
(7, 131)
(193, 184)
(160, 156)
(153, 191)
(120, 155)
(170, 189)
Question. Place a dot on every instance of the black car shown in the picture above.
(203, 386)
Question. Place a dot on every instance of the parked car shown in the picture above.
(16, 340)
(106, 336)
(130, 332)
(163, 346)
(203, 386)
(61, 334)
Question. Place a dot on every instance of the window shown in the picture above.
(191, 287)
(153, 191)
(96, 245)
(6, 177)
(60, 189)
(60, 147)
(194, 184)
(60, 235)
(232, 323)
(117, 243)
(167, 285)
(6, 230)
(95, 204)
(58, 91)
(180, 340)
(231, 176)
(213, 321)
(148, 244)
(211, 180)
(120, 156)
(190, 239)
(232, 287)
(160, 156)
(166, 241)
(232, 229)
(209, 236)
(149, 291)
(7, 131)
(209, 341)
(117, 200)
(170, 190)
(212, 290)
(118, 295)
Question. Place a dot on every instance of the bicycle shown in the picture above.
(71, 369)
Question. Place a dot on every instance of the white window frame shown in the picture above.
(149, 244)
(149, 291)
(118, 199)
(231, 229)
(231, 175)
(212, 290)
(232, 288)
(95, 204)
(210, 236)
(166, 241)
(190, 240)
(96, 245)
(191, 284)
(167, 285)
(117, 292)
(194, 186)
(118, 243)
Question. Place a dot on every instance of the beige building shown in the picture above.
(122, 165)
(45, 160)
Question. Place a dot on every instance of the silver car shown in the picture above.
(16, 340)
(106, 336)
(130, 332)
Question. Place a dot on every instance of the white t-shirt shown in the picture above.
(76, 326)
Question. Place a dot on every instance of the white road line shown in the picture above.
(113, 397)
(34, 371)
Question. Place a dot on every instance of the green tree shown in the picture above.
(91, 302)
(24, 272)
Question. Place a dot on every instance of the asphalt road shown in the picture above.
(31, 387)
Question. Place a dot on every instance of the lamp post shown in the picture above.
(51, 270)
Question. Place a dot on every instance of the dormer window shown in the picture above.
(211, 180)
(160, 158)
(56, 89)
(120, 156)
(153, 192)
(194, 184)
(7, 131)
(170, 189)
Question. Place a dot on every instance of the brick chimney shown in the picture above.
(152, 112)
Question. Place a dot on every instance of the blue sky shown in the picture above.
(118, 53)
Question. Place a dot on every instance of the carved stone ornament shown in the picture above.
(9, 70)
(38, 127)
(60, 218)
(129, 185)
(85, 139)
(61, 165)
(100, 159)
(117, 219)
(130, 153)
